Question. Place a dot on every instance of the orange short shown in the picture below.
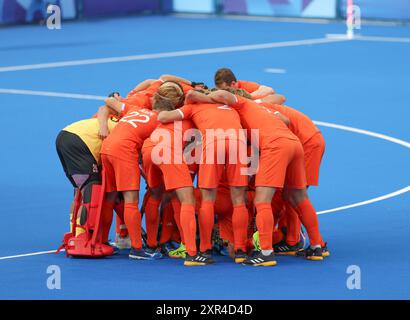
(210, 172)
(314, 149)
(281, 162)
(172, 176)
(120, 175)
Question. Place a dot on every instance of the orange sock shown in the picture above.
(132, 217)
(293, 225)
(277, 203)
(188, 224)
(277, 236)
(106, 219)
(120, 227)
(264, 223)
(206, 219)
(240, 218)
(167, 223)
(308, 216)
(152, 221)
(176, 206)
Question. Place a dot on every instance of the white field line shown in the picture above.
(363, 203)
(28, 254)
(358, 37)
(364, 132)
(274, 70)
(171, 54)
(381, 39)
(52, 94)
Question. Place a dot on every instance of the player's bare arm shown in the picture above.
(274, 98)
(197, 97)
(170, 116)
(170, 77)
(115, 104)
(102, 116)
(285, 119)
(222, 96)
(143, 85)
(263, 91)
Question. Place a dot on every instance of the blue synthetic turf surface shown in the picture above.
(360, 84)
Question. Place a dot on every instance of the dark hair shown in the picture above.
(224, 75)
(112, 94)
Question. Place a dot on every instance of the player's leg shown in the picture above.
(297, 197)
(154, 180)
(152, 216)
(240, 220)
(271, 174)
(206, 219)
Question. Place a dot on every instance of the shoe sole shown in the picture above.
(315, 258)
(289, 253)
(263, 264)
(142, 258)
(239, 260)
(326, 254)
(176, 257)
(194, 264)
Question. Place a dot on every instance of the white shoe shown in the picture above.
(122, 242)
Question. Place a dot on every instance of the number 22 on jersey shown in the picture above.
(135, 117)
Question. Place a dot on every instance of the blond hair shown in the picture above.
(171, 91)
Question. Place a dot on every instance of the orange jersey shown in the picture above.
(174, 130)
(255, 116)
(212, 116)
(128, 136)
(300, 124)
(248, 85)
(138, 100)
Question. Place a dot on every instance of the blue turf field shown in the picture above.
(361, 84)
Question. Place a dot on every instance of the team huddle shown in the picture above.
(227, 169)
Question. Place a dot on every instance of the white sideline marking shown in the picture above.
(28, 254)
(381, 39)
(171, 54)
(52, 94)
(359, 37)
(365, 132)
(319, 123)
(362, 203)
(273, 70)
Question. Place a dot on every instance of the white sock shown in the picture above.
(266, 252)
(316, 246)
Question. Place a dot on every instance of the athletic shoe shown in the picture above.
(314, 254)
(145, 254)
(261, 260)
(179, 253)
(197, 260)
(256, 241)
(325, 251)
(224, 251)
(166, 248)
(283, 248)
(240, 256)
(207, 254)
(122, 242)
